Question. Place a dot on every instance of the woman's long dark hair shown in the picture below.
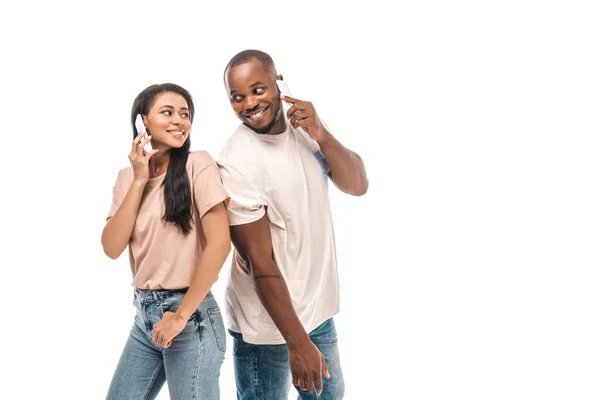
(177, 192)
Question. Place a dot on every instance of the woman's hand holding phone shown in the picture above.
(139, 158)
(141, 128)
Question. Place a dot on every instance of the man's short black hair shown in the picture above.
(244, 56)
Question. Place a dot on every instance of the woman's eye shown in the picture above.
(167, 112)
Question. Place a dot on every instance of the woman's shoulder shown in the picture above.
(125, 175)
(198, 160)
(201, 156)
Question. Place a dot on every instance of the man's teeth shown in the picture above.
(257, 115)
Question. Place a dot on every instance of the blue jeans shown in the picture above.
(263, 371)
(191, 365)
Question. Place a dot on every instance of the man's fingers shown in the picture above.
(302, 123)
(297, 121)
(299, 114)
(296, 108)
(291, 111)
(302, 383)
(289, 99)
(319, 384)
(324, 369)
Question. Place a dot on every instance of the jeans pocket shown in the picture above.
(216, 321)
(237, 338)
(172, 303)
(236, 344)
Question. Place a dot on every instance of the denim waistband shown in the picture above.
(157, 296)
(148, 296)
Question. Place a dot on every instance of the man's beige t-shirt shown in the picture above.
(284, 176)
(161, 256)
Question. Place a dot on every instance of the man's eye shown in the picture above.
(237, 98)
(259, 90)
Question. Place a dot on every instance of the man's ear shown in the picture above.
(279, 77)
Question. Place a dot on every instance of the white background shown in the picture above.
(468, 271)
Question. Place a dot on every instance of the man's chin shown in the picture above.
(261, 130)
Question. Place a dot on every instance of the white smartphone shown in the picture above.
(139, 125)
(283, 88)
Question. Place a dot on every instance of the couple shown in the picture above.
(268, 195)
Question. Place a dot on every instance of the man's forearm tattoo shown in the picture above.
(268, 276)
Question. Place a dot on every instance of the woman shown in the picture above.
(170, 208)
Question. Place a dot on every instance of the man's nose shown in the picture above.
(250, 102)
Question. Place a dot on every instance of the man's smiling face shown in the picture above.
(254, 97)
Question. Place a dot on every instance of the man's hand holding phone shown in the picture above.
(302, 114)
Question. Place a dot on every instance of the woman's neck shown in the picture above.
(159, 164)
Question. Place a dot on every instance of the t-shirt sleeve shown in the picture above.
(316, 149)
(327, 169)
(208, 189)
(246, 203)
(118, 193)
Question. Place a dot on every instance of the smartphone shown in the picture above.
(139, 125)
(283, 88)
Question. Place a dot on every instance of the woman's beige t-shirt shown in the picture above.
(161, 256)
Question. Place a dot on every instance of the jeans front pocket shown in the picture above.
(237, 338)
(216, 321)
(172, 303)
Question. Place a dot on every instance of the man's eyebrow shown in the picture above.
(252, 85)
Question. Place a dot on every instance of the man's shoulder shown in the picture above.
(238, 149)
(239, 136)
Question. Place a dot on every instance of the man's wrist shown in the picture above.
(324, 138)
(297, 340)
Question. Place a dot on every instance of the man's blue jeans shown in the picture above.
(191, 365)
(262, 371)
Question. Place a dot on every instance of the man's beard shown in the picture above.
(266, 129)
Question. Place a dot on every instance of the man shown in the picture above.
(283, 288)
